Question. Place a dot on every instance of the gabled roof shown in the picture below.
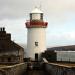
(6, 44)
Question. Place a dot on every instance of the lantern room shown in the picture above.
(36, 19)
(36, 14)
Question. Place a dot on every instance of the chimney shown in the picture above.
(0, 29)
(3, 29)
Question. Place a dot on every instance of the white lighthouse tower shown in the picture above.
(36, 34)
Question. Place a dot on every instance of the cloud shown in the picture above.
(20, 8)
(60, 5)
(14, 8)
(17, 29)
(67, 38)
(59, 13)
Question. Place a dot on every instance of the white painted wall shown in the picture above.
(35, 35)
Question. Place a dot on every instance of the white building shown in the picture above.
(65, 56)
(36, 34)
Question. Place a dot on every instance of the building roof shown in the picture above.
(6, 44)
(61, 48)
(36, 10)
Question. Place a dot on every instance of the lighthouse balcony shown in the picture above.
(34, 24)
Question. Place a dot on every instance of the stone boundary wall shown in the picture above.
(16, 69)
(58, 70)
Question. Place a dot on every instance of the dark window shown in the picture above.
(30, 16)
(9, 59)
(2, 59)
(36, 43)
(41, 16)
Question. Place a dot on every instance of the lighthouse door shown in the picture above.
(36, 56)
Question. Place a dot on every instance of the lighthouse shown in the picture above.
(36, 34)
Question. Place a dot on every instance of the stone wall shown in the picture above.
(17, 69)
(59, 70)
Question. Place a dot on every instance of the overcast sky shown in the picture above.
(60, 15)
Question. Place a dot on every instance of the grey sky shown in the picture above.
(18, 8)
(60, 15)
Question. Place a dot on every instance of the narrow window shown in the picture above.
(36, 43)
(9, 59)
